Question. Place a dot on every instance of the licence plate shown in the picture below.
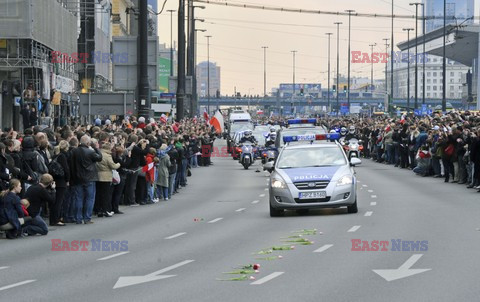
(312, 195)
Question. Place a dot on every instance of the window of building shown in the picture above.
(452, 88)
(434, 74)
(434, 94)
(434, 81)
(428, 94)
(429, 81)
(428, 88)
(429, 74)
(452, 74)
(434, 88)
(452, 95)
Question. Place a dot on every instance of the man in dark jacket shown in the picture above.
(39, 196)
(83, 171)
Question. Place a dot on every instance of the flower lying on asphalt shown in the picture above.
(241, 272)
(241, 278)
(283, 248)
(270, 258)
(307, 232)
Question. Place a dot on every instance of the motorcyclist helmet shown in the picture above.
(343, 131)
(351, 130)
(272, 130)
(247, 134)
(273, 136)
(333, 131)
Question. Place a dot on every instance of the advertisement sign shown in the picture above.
(163, 74)
(63, 84)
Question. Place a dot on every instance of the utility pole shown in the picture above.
(444, 80)
(208, 73)
(191, 68)
(392, 44)
(171, 11)
(408, 67)
(264, 71)
(371, 56)
(181, 61)
(350, 11)
(416, 52)
(386, 68)
(293, 95)
(423, 56)
(194, 78)
(328, 94)
(338, 63)
(144, 103)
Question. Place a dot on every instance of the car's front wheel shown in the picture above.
(275, 212)
(353, 208)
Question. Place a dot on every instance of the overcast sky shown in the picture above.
(239, 33)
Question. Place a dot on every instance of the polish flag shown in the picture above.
(163, 119)
(402, 121)
(217, 122)
(205, 115)
(148, 167)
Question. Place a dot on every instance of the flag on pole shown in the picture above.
(217, 122)
(205, 115)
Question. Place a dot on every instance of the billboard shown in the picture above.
(163, 74)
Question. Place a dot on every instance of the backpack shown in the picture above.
(55, 169)
(40, 165)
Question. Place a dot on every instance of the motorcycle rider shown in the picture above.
(248, 137)
(343, 132)
(271, 140)
(351, 133)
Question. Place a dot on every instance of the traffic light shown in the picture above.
(345, 88)
(301, 91)
(334, 88)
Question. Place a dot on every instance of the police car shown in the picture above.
(299, 127)
(312, 171)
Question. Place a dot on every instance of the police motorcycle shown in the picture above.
(351, 145)
(248, 146)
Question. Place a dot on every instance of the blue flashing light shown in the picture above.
(311, 137)
(302, 121)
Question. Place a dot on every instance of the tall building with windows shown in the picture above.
(202, 79)
(458, 11)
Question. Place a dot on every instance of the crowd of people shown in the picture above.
(443, 145)
(70, 174)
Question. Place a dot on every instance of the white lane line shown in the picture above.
(4, 267)
(164, 270)
(374, 196)
(175, 236)
(370, 191)
(112, 256)
(369, 213)
(215, 220)
(373, 203)
(262, 195)
(239, 210)
(255, 201)
(16, 284)
(365, 186)
(323, 248)
(266, 189)
(354, 229)
(267, 278)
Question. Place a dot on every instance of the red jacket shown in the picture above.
(149, 174)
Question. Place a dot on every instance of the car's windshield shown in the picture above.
(311, 157)
(240, 127)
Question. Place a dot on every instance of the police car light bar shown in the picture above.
(312, 137)
(302, 121)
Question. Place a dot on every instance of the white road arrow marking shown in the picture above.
(175, 236)
(323, 248)
(16, 284)
(403, 271)
(134, 280)
(215, 220)
(113, 256)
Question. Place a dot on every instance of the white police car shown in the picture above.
(312, 175)
(299, 127)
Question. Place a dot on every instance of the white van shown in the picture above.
(240, 117)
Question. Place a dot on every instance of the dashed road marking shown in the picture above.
(215, 220)
(323, 248)
(255, 201)
(262, 195)
(16, 284)
(370, 191)
(374, 196)
(354, 229)
(369, 213)
(373, 203)
(240, 210)
(267, 278)
(176, 235)
(365, 186)
(112, 256)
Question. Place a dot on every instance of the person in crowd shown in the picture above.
(40, 197)
(172, 171)
(62, 181)
(84, 173)
(163, 165)
(120, 156)
(150, 175)
(10, 208)
(103, 196)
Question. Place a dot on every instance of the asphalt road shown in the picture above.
(179, 249)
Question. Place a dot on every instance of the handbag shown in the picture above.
(449, 150)
(115, 177)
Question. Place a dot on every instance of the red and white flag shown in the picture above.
(163, 118)
(205, 115)
(217, 122)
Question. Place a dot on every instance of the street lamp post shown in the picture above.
(386, 68)
(408, 67)
(192, 47)
(338, 61)
(392, 44)
(293, 95)
(208, 73)
(194, 76)
(423, 55)
(416, 52)
(371, 76)
(171, 11)
(264, 71)
(444, 80)
(350, 11)
(328, 90)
